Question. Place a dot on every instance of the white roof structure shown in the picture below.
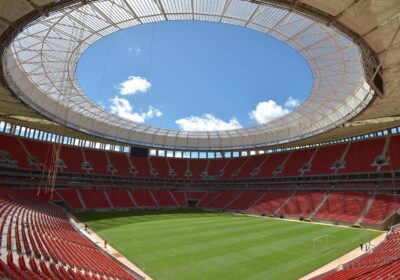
(40, 67)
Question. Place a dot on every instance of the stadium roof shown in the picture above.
(343, 42)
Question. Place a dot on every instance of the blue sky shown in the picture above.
(194, 75)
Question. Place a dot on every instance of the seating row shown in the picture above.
(373, 155)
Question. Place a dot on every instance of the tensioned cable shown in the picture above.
(50, 167)
(107, 57)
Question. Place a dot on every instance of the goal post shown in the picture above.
(321, 242)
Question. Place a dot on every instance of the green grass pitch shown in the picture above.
(189, 245)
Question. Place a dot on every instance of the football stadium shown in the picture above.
(278, 157)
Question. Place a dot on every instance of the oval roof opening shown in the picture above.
(194, 76)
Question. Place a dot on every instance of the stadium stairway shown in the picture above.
(319, 206)
(108, 199)
(81, 199)
(284, 203)
(366, 209)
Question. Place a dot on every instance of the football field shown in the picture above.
(188, 245)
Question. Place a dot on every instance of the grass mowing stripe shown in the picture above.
(193, 232)
(250, 249)
(191, 245)
(230, 244)
(214, 235)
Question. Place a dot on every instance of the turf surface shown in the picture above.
(188, 245)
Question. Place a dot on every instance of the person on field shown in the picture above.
(105, 244)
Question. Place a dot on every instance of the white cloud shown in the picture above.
(207, 122)
(292, 102)
(269, 110)
(133, 85)
(124, 109)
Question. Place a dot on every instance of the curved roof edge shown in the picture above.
(251, 138)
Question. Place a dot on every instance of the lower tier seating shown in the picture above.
(38, 242)
(343, 207)
(383, 262)
(302, 203)
(349, 207)
(382, 207)
(94, 198)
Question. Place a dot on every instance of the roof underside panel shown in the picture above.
(40, 67)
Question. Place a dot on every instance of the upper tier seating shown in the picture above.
(142, 165)
(393, 153)
(251, 164)
(352, 157)
(179, 166)
(42, 244)
(121, 163)
(268, 168)
(361, 155)
(325, 159)
(233, 167)
(215, 167)
(296, 161)
(72, 158)
(98, 161)
(161, 166)
(10, 145)
(42, 151)
(197, 168)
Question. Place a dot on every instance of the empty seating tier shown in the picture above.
(349, 207)
(120, 198)
(42, 244)
(382, 207)
(144, 198)
(343, 207)
(70, 197)
(383, 262)
(94, 198)
(374, 155)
